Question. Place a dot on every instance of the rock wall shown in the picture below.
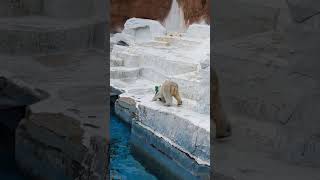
(195, 10)
(269, 83)
(121, 10)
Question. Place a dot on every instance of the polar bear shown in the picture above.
(167, 90)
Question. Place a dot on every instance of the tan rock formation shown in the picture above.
(195, 10)
(121, 10)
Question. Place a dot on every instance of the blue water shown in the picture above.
(123, 165)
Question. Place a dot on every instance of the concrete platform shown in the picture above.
(28, 35)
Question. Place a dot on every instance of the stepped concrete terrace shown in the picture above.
(54, 90)
(146, 56)
(40, 26)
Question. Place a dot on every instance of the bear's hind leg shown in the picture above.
(168, 99)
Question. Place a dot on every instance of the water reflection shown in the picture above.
(123, 165)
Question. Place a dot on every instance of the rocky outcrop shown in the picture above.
(195, 10)
(15, 98)
(64, 135)
(15, 92)
(122, 10)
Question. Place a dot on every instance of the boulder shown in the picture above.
(143, 29)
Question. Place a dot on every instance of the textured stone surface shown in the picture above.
(121, 10)
(58, 8)
(15, 92)
(63, 136)
(269, 84)
(303, 10)
(195, 10)
(143, 30)
(57, 47)
(39, 34)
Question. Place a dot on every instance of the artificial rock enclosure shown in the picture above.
(155, 42)
(53, 91)
(53, 86)
(135, 71)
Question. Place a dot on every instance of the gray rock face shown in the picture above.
(269, 85)
(44, 26)
(62, 130)
(50, 146)
(57, 8)
(302, 10)
(64, 136)
(15, 93)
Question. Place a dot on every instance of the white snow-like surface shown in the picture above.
(143, 29)
(182, 57)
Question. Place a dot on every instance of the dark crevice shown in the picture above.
(14, 102)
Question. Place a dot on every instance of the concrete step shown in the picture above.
(156, 44)
(124, 73)
(178, 41)
(114, 61)
(188, 88)
(38, 34)
(145, 87)
(158, 61)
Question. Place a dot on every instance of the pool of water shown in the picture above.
(8, 169)
(123, 164)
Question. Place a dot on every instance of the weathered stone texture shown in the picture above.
(122, 10)
(269, 86)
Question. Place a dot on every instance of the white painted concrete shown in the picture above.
(182, 57)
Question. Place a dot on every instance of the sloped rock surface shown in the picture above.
(268, 84)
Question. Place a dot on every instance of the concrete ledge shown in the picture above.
(170, 158)
(157, 127)
(31, 35)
